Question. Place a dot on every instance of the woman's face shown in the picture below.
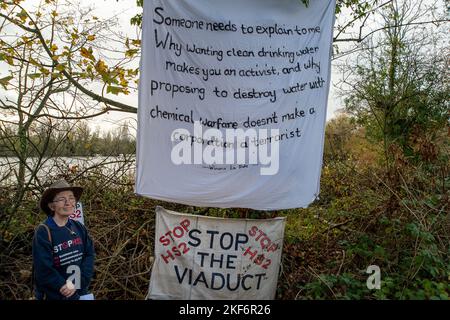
(63, 203)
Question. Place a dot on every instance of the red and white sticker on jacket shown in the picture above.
(78, 213)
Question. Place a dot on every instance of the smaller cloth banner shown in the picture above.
(200, 257)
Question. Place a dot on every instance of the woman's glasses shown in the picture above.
(64, 200)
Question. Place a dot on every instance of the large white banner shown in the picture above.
(232, 101)
(200, 257)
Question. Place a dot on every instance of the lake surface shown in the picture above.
(51, 168)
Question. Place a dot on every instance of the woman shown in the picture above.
(63, 252)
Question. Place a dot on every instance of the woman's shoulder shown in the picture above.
(43, 230)
(42, 227)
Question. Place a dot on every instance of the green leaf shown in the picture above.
(5, 81)
(60, 67)
(35, 75)
(114, 90)
(23, 15)
(131, 53)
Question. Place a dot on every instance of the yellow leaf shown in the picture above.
(124, 83)
(91, 38)
(101, 67)
(87, 53)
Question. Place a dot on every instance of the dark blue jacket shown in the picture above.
(71, 245)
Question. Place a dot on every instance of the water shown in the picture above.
(51, 168)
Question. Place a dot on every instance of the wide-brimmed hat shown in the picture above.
(50, 193)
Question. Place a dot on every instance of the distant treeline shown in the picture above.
(66, 140)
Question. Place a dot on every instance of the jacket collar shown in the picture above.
(52, 224)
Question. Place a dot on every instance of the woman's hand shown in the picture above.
(68, 290)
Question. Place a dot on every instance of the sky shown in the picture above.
(123, 10)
